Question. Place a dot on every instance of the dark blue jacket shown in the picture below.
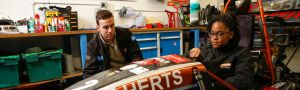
(98, 56)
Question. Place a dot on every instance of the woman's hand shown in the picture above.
(195, 53)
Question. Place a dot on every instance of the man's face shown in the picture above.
(106, 28)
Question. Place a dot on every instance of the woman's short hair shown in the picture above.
(230, 21)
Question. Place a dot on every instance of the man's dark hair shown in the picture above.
(103, 14)
(231, 22)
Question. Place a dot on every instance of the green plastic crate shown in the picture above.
(43, 65)
(9, 71)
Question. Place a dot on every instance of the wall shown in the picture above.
(86, 9)
(203, 3)
(18, 9)
(15, 10)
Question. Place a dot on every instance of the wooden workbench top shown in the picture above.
(94, 31)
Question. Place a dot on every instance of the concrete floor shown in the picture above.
(294, 64)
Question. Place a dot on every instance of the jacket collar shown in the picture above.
(100, 38)
(106, 43)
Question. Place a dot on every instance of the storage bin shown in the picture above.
(43, 65)
(9, 71)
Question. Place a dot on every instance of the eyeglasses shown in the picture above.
(218, 34)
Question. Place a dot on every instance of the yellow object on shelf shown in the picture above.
(51, 13)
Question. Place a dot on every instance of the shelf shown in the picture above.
(203, 28)
(47, 34)
(30, 85)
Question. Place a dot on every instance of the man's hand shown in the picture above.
(194, 53)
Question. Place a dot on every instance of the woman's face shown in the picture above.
(220, 34)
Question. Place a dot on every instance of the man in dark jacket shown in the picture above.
(111, 47)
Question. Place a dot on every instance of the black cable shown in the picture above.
(292, 55)
(198, 78)
(202, 79)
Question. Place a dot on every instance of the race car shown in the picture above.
(165, 72)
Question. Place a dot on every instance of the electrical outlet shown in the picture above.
(104, 4)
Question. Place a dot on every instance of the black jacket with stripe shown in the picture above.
(233, 64)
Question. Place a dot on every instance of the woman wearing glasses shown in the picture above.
(223, 56)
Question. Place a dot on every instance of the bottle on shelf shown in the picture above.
(49, 27)
(38, 26)
(68, 26)
(46, 27)
(60, 25)
(31, 25)
(54, 24)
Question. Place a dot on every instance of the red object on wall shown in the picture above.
(174, 19)
(171, 16)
